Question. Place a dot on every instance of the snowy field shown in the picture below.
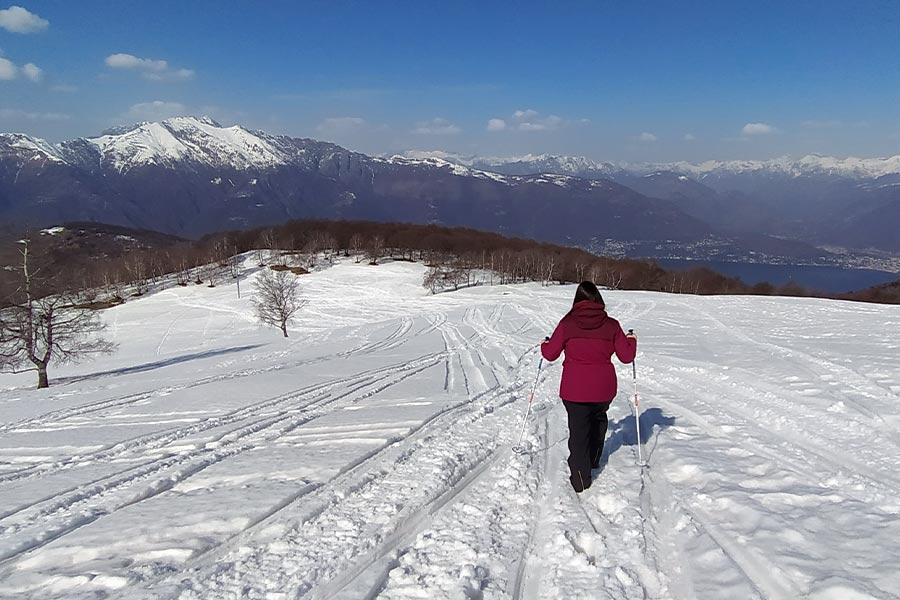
(369, 455)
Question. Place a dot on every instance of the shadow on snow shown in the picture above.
(159, 364)
(623, 432)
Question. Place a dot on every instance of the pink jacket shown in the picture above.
(590, 337)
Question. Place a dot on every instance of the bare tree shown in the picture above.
(138, 268)
(356, 245)
(277, 298)
(376, 249)
(330, 245)
(270, 242)
(39, 329)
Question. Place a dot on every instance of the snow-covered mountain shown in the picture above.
(189, 176)
(852, 202)
(527, 164)
(186, 139)
(186, 143)
(203, 141)
(582, 166)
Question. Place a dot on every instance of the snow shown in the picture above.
(53, 230)
(35, 148)
(187, 139)
(809, 165)
(151, 143)
(432, 160)
(369, 455)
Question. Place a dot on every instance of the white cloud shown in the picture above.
(689, 137)
(154, 70)
(8, 70)
(340, 124)
(531, 120)
(496, 125)
(525, 115)
(129, 61)
(33, 72)
(156, 110)
(18, 20)
(13, 113)
(436, 126)
(757, 129)
(647, 137)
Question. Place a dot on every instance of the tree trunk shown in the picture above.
(284, 329)
(43, 382)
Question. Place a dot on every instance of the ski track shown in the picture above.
(165, 437)
(167, 471)
(438, 506)
(458, 469)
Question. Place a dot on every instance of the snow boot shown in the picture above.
(579, 483)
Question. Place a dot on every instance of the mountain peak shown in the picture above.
(23, 144)
(191, 120)
(188, 139)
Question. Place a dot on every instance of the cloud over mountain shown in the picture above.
(151, 69)
(751, 129)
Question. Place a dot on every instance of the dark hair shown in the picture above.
(587, 291)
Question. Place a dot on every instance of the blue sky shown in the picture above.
(692, 80)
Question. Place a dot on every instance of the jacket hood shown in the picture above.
(588, 315)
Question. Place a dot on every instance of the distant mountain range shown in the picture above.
(821, 200)
(580, 166)
(189, 176)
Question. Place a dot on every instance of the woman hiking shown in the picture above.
(589, 338)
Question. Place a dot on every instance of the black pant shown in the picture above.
(587, 430)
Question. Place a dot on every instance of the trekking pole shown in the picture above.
(518, 447)
(637, 420)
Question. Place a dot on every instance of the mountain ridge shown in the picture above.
(111, 141)
(190, 175)
(810, 164)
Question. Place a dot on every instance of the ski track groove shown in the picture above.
(755, 437)
(123, 480)
(492, 397)
(123, 401)
(394, 543)
(167, 436)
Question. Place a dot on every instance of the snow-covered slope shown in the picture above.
(369, 455)
(188, 139)
(25, 147)
(527, 164)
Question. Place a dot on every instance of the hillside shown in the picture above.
(369, 455)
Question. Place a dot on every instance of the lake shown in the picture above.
(826, 279)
